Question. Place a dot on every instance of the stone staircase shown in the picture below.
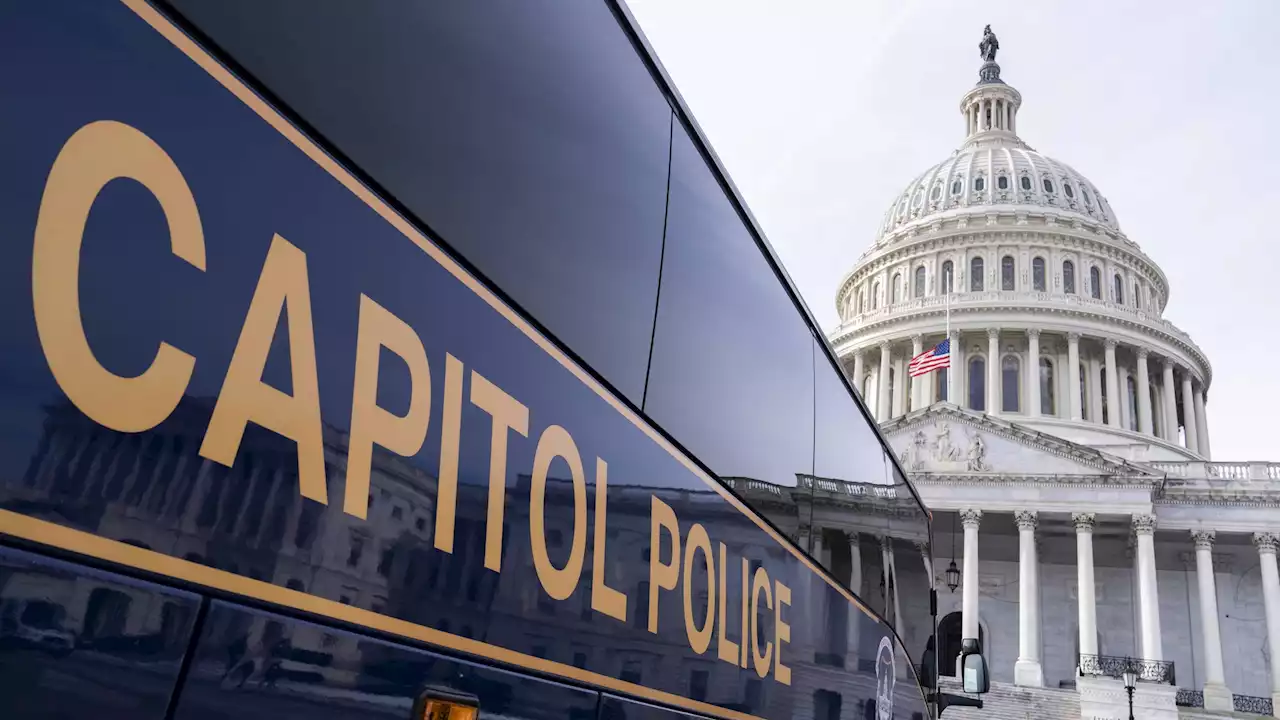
(1007, 701)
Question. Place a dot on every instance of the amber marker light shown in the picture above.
(435, 704)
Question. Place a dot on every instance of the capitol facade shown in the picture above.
(1066, 455)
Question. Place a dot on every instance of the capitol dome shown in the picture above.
(1054, 314)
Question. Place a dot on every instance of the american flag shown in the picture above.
(935, 359)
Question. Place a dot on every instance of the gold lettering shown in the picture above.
(761, 660)
(604, 599)
(697, 540)
(404, 436)
(781, 631)
(507, 414)
(662, 575)
(726, 649)
(558, 582)
(450, 436)
(244, 397)
(94, 156)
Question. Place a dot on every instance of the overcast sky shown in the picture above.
(823, 111)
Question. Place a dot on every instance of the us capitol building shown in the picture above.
(1068, 459)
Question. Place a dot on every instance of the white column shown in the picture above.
(855, 564)
(1125, 420)
(1085, 588)
(882, 391)
(1189, 414)
(1073, 372)
(917, 388)
(819, 548)
(993, 371)
(1144, 526)
(1170, 404)
(1027, 670)
(1095, 390)
(1202, 422)
(1144, 394)
(891, 587)
(1216, 694)
(899, 406)
(1266, 543)
(1113, 383)
(1033, 372)
(970, 518)
(859, 369)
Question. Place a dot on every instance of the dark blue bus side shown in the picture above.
(357, 351)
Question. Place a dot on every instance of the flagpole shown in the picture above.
(950, 350)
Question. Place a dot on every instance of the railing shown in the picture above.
(1222, 471)
(1157, 671)
(1189, 698)
(1251, 704)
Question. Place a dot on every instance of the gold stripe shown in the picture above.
(112, 551)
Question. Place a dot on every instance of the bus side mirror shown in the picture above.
(974, 670)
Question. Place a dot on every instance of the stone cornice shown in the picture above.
(1054, 481)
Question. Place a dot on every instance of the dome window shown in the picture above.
(918, 200)
(975, 274)
(957, 186)
(1066, 188)
(1037, 274)
(979, 183)
(1095, 283)
(1084, 193)
(1006, 273)
(948, 273)
(1048, 185)
(937, 192)
(1026, 183)
(1002, 182)
(1068, 277)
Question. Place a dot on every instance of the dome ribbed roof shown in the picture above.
(995, 170)
(972, 178)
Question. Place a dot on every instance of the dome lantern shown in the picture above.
(991, 109)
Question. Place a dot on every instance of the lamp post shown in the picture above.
(1130, 682)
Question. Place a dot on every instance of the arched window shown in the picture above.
(1048, 186)
(979, 183)
(897, 283)
(1002, 182)
(1131, 399)
(1066, 188)
(941, 386)
(957, 186)
(1009, 384)
(948, 276)
(875, 296)
(867, 388)
(1119, 288)
(1026, 182)
(1048, 406)
(860, 298)
(920, 281)
(1037, 274)
(1006, 273)
(1069, 277)
(978, 384)
(1084, 192)
(936, 192)
(1137, 297)
(975, 274)
(1095, 283)
(918, 199)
